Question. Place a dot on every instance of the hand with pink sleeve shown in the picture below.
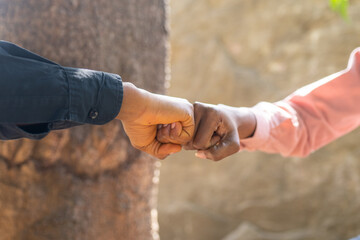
(306, 120)
(218, 130)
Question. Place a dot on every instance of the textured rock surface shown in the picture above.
(87, 183)
(239, 52)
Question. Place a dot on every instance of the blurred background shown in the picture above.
(240, 52)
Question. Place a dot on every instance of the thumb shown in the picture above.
(169, 148)
(162, 150)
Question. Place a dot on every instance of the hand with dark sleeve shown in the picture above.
(143, 111)
(37, 96)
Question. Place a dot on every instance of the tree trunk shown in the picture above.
(86, 182)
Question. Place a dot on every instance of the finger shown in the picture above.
(186, 134)
(170, 109)
(170, 133)
(188, 128)
(199, 110)
(226, 147)
(178, 134)
(215, 139)
(175, 133)
(206, 129)
(161, 150)
(163, 135)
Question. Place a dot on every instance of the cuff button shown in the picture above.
(93, 114)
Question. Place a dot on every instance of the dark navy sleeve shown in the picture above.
(37, 95)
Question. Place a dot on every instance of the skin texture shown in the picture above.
(142, 112)
(218, 130)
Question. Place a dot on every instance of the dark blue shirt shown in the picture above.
(38, 95)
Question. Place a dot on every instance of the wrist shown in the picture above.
(243, 118)
(134, 102)
(246, 122)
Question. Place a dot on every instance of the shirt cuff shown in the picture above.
(262, 131)
(13, 131)
(94, 97)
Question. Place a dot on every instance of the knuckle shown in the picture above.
(198, 106)
(211, 110)
(186, 101)
(172, 137)
(142, 148)
(236, 146)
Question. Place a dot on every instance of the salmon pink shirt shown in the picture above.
(311, 117)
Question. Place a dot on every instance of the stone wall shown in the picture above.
(88, 182)
(240, 52)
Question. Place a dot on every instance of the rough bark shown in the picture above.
(86, 182)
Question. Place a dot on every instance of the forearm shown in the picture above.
(135, 102)
(311, 117)
(37, 92)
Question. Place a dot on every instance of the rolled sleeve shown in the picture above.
(94, 97)
(37, 95)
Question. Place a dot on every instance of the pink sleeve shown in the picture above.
(311, 117)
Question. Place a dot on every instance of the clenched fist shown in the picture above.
(141, 112)
(218, 130)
